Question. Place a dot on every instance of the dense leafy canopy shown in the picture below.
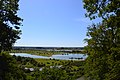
(9, 23)
(103, 60)
(9, 69)
(102, 8)
(104, 43)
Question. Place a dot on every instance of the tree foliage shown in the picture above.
(104, 43)
(102, 8)
(9, 23)
(9, 69)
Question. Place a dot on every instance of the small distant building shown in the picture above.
(31, 69)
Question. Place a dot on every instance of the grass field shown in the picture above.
(36, 52)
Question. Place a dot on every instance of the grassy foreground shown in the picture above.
(68, 70)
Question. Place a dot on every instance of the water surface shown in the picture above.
(65, 56)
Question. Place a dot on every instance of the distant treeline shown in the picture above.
(49, 48)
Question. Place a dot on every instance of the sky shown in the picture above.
(53, 23)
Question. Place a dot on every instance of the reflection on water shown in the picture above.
(65, 56)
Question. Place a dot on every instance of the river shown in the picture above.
(65, 56)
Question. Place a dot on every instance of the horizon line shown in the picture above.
(42, 46)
